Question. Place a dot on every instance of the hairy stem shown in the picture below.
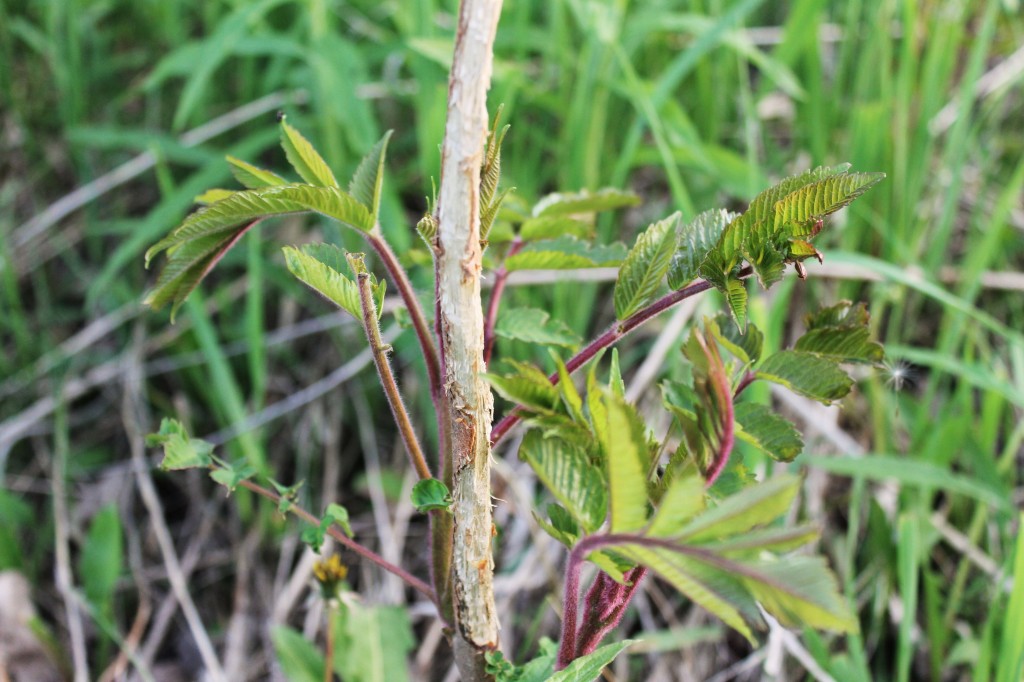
(412, 304)
(609, 337)
(500, 279)
(469, 399)
(387, 378)
(345, 540)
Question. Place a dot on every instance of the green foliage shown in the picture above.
(318, 266)
(180, 451)
(645, 266)
(566, 469)
(306, 161)
(694, 241)
(807, 374)
(369, 177)
(102, 558)
(195, 246)
(371, 642)
(542, 668)
(582, 202)
(533, 325)
(430, 494)
(298, 657)
(565, 253)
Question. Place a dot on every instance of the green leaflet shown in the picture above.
(552, 227)
(306, 161)
(645, 266)
(800, 591)
(745, 347)
(810, 375)
(528, 386)
(683, 500)
(693, 242)
(251, 177)
(753, 507)
(212, 196)
(840, 333)
(324, 279)
(803, 207)
(714, 590)
(248, 205)
(366, 183)
(625, 450)
(568, 473)
(584, 201)
(588, 668)
(187, 267)
(565, 253)
(533, 325)
(768, 432)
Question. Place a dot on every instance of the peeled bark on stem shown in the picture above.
(468, 397)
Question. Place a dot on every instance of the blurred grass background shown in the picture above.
(115, 114)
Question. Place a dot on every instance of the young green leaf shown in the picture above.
(369, 177)
(528, 387)
(810, 375)
(588, 668)
(565, 253)
(322, 278)
(430, 494)
(566, 470)
(231, 474)
(533, 325)
(693, 242)
(625, 450)
(180, 451)
(251, 177)
(306, 161)
(768, 432)
(287, 495)
(584, 201)
(645, 266)
(337, 514)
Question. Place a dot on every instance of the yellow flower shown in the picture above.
(330, 573)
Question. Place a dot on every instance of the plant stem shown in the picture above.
(345, 540)
(469, 399)
(500, 279)
(609, 337)
(412, 304)
(387, 378)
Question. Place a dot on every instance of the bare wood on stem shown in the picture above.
(469, 398)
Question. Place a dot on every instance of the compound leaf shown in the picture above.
(768, 432)
(533, 325)
(323, 278)
(252, 177)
